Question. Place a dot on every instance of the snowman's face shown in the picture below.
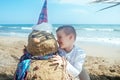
(41, 43)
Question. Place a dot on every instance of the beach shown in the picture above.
(102, 61)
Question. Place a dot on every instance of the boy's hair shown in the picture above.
(68, 29)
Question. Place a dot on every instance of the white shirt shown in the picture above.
(75, 60)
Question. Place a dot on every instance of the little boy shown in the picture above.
(75, 56)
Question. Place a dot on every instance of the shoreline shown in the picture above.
(102, 59)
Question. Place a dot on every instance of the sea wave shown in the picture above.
(18, 34)
(1, 26)
(106, 40)
(100, 29)
(13, 27)
(27, 28)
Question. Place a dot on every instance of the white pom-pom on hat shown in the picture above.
(43, 27)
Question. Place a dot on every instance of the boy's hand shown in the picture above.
(58, 60)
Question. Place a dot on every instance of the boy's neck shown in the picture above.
(69, 49)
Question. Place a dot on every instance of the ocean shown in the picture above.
(109, 33)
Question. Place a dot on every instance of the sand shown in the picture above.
(102, 61)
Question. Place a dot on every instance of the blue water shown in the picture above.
(85, 32)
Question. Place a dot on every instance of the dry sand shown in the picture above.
(102, 61)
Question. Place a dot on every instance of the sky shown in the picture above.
(59, 12)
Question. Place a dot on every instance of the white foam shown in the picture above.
(1, 26)
(27, 28)
(105, 40)
(98, 29)
(89, 29)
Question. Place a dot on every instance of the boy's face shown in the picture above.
(64, 40)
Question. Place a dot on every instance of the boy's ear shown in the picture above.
(70, 36)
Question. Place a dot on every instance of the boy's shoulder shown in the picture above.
(80, 52)
(77, 48)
